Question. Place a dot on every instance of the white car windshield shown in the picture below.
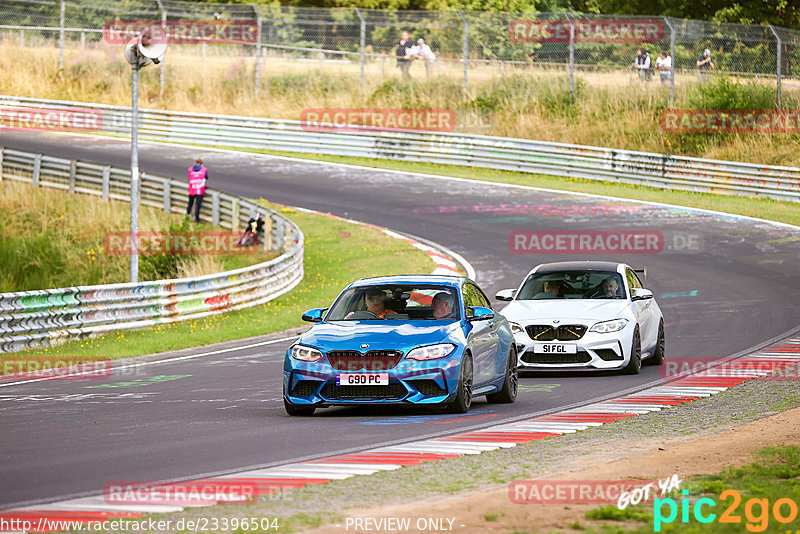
(572, 285)
(396, 303)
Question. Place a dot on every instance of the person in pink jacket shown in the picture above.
(198, 175)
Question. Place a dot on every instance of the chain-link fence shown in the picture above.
(467, 46)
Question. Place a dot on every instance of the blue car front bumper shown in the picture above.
(410, 382)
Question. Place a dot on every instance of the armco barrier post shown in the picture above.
(215, 208)
(167, 201)
(72, 171)
(37, 168)
(106, 181)
(235, 215)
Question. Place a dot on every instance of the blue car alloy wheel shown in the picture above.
(411, 340)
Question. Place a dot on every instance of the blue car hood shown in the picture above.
(379, 335)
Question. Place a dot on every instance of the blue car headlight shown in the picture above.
(431, 352)
(306, 354)
(609, 326)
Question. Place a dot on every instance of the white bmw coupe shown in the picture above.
(584, 315)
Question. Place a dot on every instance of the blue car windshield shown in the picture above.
(396, 302)
(572, 285)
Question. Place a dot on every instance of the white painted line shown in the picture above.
(494, 444)
(157, 362)
(345, 467)
(289, 472)
(104, 507)
(428, 450)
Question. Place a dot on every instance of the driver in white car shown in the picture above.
(611, 287)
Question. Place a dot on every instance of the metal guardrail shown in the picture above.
(36, 319)
(503, 153)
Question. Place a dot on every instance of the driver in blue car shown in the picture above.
(442, 305)
(376, 303)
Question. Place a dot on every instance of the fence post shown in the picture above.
(73, 168)
(37, 169)
(162, 69)
(465, 46)
(61, 37)
(672, 58)
(83, 40)
(167, 198)
(235, 215)
(22, 38)
(257, 83)
(778, 70)
(215, 208)
(571, 58)
(362, 41)
(106, 181)
(1, 163)
(203, 47)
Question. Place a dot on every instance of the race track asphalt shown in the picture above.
(735, 289)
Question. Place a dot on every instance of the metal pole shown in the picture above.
(672, 59)
(362, 42)
(162, 74)
(257, 86)
(61, 37)
(571, 58)
(466, 47)
(134, 267)
(778, 71)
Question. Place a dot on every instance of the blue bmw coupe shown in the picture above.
(415, 339)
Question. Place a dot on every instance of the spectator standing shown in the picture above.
(704, 65)
(404, 45)
(642, 64)
(664, 67)
(423, 51)
(198, 174)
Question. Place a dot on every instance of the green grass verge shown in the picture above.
(336, 253)
(774, 210)
(760, 485)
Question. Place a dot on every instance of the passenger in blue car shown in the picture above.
(442, 305)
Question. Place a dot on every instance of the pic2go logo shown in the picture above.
(756, 511)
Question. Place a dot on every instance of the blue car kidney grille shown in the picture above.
(374, 360)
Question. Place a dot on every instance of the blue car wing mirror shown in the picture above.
(314, 315)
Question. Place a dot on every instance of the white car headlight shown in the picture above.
(609, 326)
(306, 354)
(431, 352)
(515, 328)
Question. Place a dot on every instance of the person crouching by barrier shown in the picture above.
(198, 175)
